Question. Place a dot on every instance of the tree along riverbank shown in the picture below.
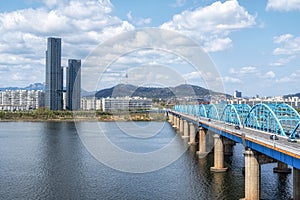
(57, 115)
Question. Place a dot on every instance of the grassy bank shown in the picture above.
(50, 115)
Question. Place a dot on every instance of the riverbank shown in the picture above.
(47, 115)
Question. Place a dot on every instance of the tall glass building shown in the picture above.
(54, 75)
(73, 84)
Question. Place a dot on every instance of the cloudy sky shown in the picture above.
(255, 45)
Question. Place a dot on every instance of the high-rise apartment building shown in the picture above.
(73, 84)
(54, 75)
(237, 94)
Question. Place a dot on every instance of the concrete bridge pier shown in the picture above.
(252, 175)
(296, 184)
(202, 142)
(170, 115)
(192, 134)
(174, 121)
(185, 129)
(228, 146)
(181, 126)
(282, 168)
(218, 155)
(178, 123)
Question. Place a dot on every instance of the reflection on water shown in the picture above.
(48, 161)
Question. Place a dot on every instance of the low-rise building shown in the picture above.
(21, 99)
(90, 103)
(126, 103)
(292, 101)
(113, 104)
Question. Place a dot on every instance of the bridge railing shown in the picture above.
(279, 119)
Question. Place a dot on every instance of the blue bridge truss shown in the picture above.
(280, 119)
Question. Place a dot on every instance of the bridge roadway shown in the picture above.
(281, 149)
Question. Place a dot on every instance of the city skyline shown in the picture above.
(254, 45)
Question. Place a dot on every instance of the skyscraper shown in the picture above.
(73, 84)
(54, 75)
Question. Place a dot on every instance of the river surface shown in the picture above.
(59, 160)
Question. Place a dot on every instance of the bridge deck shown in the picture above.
(260, 141)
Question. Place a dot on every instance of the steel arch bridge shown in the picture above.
(280, 119)
(274, 118)
(202, 110)
(243, 110)
(212, 112)
(294, 134)
(235, 113)
(196, 110)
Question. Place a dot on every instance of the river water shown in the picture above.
(54, 160)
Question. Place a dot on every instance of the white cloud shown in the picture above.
(284, 79)
(244, 70)
(143, 21)
(138, 21)
(228, 79)
(149, 56)
(249, 72)
(288, 48)
(51, 3)
(81, 24)
(167, 45)
(293, 77)
(193, 75)
(269, 75)
(129, 15)
(289, 44)
(212, 25)
(282, 38)
(283, 5)
(179, 3)
(218, 44)
(282, 61)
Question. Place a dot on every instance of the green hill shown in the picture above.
(185, 90)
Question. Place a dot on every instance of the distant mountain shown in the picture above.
(41, 86)
(292, 95)
(122, 90)
(85, 93)
(34, 86)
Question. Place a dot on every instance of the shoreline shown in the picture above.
(83, 120)
(88, 116)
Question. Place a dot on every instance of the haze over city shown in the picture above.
(255, 45)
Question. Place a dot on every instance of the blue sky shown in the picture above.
(255, 44)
